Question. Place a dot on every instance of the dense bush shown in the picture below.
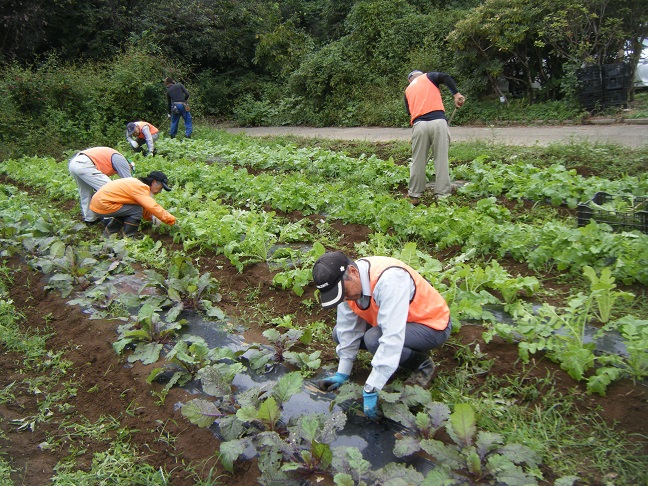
(50, 107)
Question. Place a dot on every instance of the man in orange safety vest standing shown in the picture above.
(429, 130)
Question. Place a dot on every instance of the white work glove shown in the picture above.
(150, 154)
(155, 221)
(133, 144)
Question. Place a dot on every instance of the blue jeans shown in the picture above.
(175, 118)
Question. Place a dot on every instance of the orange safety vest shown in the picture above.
(423, 96)
(102, 159)
(142, 124)
(427, 306)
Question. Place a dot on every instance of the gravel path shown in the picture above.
(627, 134)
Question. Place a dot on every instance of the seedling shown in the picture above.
(148, 332)
(477, 457)
(264, 358)
(186, 288)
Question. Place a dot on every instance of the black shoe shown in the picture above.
(423, 375)
(113, 226)
(92, 223)
(422, 368)
(130, 230)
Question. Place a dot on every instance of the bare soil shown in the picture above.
(108, 387)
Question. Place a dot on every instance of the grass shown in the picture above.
(121, 463)
(528, 410)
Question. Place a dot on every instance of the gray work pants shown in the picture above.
(426, 134)
(88, 179)
(418, 337)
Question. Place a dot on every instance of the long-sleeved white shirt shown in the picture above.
(147, 136)
(393, 293)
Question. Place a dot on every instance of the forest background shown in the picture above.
(74, 73)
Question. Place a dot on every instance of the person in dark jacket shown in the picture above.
(177, 96)
(429, 130)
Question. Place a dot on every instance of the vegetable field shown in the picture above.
(100, 380)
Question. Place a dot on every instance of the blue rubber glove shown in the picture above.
(371, 405)
(333, 382)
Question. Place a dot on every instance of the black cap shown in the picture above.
(327, 275)
(161, 177)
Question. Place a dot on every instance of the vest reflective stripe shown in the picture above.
(423, 96)
(102, 159)
(427, 307)
(141, 124)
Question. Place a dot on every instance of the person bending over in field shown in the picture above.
(387, 308)
(91, 169)
(141, 133)
(127, 201)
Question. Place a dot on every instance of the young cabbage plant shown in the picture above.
(307, 363)
(351, 469)
(309, 443)
(186, 288)
(266, 358)
(266, 413)
(184, 361)
(304, 451)
(148, 333)
(478, 457)
(421, 426)
(105, 301)
(70, 265)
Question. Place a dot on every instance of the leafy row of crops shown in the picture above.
(226, 208)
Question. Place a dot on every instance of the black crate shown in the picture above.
(589, 80)
(630, 213)
(618, 69)
(616, 82)
(615, 76)
(617, 97)
(592, 101)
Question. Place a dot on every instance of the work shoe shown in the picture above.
(421, 367)
(131, 229)
(414, 201)
(423, 375)
(114, 226)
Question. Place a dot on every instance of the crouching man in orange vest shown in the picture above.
(386, 307)
(139, 133)
(127, 201)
